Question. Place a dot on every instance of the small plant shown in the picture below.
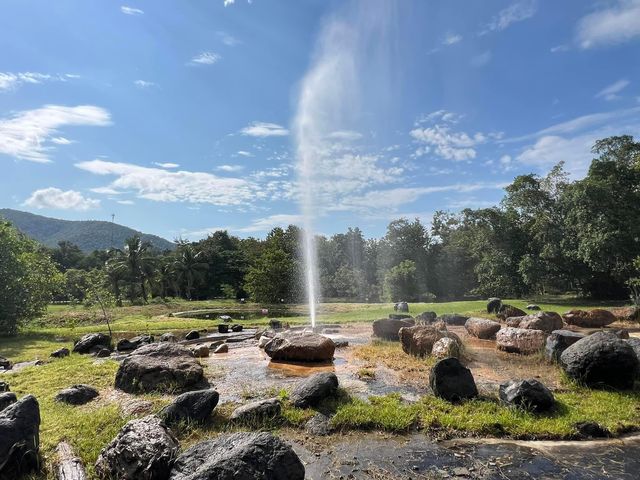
(366, 373)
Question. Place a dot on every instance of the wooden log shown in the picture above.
(70, 467)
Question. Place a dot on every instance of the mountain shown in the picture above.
(89, 235)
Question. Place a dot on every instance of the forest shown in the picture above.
(548, 235)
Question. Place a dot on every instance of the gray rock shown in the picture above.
(592, 430)
(452, 381)
(558, 342)
(601, 360)
(520, 340)
(319, 425)
(622, 333)
(19, 438)
(143, 450)
(453, 319)
(312, 390)
(426, 318)
(482, 328)
(493, 305)
(306, 347)
(60, 353)
(223, 328)
(76, 395)
(161, 367)
(419, 339)
(190, 407)
(596, 318)
(6, 399)
(91, 343)
(401, 307)
(239, 456)
(168, 337)
(5, 364)
(399, 316)
(446, 347)
(388, 328)
(635, 344)
(200, 351)
(545, 321)
(237, 328)
(507, 311)
(257, 411)
(224, 348)
(102, 353)
(529, 395)
(192, 335)
(533, 306)
(127, 345)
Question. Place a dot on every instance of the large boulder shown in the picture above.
(627, 314)
(520, 340)
(92, 342)
(493, 305)
(257, 411)
(635, 344)
(401, 307)
(192, 335)
(5, 364)
(76, 395)
(127, 345)
(601, 360)
(426, 318)
(446, 347)
(306, 347)
(388, 328)
(452, 381)
(168, 337)
(312, 390)
(558, 342)
(19, 438)
(527, 394)
(507, 311)
(144, 449)
(596, 318)
(453, 319)
(482, 328)
(6, 399)
(545, 321)
(419, 339)
(239, 456)
(190, 407)
(161, 367)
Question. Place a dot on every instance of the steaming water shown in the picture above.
(327, 113)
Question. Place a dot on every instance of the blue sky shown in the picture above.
(186, 117)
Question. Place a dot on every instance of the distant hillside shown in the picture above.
(89, 235)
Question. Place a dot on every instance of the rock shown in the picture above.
(257, 411)
(446, 347)
(200, 351)
(263, 340)
(453, 319)
(5, 363)
(168, 337)
(306, 347)
(493, 305)
(192, 335)
(223, 328)
(401, 307)
(558, 342)
(312, 390)
(162, 367)
(223, 348)
(19, 438)
(545, 321)
(507, 311)
(143, 450)
(622, 333)
(596, 318)
(520, 340)
(601, 360)
(226, 318)
(275, 324)
(399, 316)
(426, 317)
(236, 328)
(60, 353)
(6, 399)
(76, 395)
(92, 342)
(239, 456)
(4, 387)
(452, 381)
(419, 339)
(190, 407)
(592, 430)
(529, 395)
(482, 328)
(341, 343)
(102, 353)
(634, 342)
(388, 328)
(627, 314)
(318, 425)
(127, 345)
(533, 306)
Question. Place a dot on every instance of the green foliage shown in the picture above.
(269, 280)
(28, 279)
(400, 282)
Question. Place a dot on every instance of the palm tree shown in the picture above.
(138, 263)
(189, 267)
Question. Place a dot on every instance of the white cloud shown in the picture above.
(549, 150)
(228, 40)
(516, 12)
(609, 26)
(167, 165)
(28, 135)
(481, 59)
(61, 141)
(559, 48)
(263, 129)
(448, 144)
(144, 84)
(230, 168)
(205, 58)
(126, 202)
(451, 39)
(345, 135)
(130, 10)
(10, 81)
(267, 223)
(229, 2)
(244, 153)
(55, 198)
(175, 186)
(611, 91)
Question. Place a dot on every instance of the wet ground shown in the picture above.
(375, 456)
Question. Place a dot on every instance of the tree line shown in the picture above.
(548, 235)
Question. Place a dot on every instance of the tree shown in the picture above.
(400, 282)
(28, 278)
(272, 276)
(189, 266)
(67, 255)
(135, 263)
